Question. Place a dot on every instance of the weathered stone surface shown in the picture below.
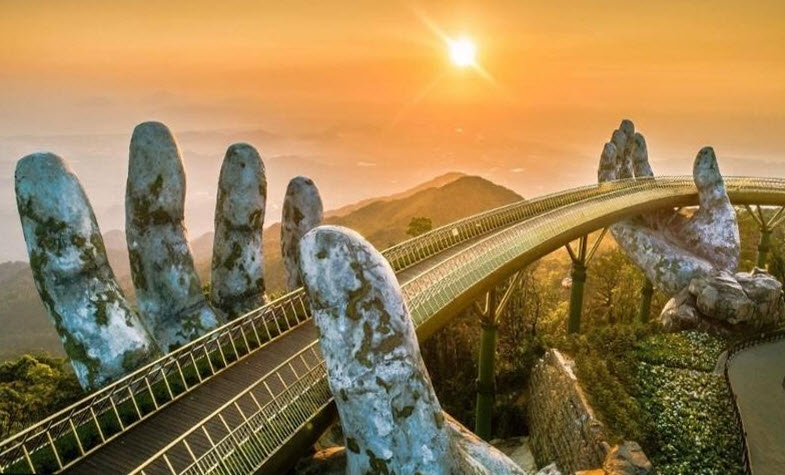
(718, 295)
(562, 424)
(627, 459)
(690, 258)
(103, 337)
(766, 292)
(519, 451)
(332, 461)
(681, 313)
(391, 418)
(329, 461)
(550, 469)
(237, 273)
(717, 302)
(302, 211)
(168, 290)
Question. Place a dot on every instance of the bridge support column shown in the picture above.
(766, 228)
(486, 381)
(578, 276)
(763, 248)
(580, 263)
(646, 293)
(486, 373)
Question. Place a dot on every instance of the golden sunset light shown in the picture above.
(462, 52)
(421, 236)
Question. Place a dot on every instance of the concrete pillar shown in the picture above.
(486, 385)
(763, 247)
(646, 292)
(576, 297)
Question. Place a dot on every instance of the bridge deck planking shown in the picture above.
(131, 449)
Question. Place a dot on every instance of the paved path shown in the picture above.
(756, 375)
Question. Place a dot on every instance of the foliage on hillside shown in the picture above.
(659, 390)
(31, 388)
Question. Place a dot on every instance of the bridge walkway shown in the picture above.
(756, 375)
(128, 451)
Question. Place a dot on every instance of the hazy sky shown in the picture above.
(362, 96)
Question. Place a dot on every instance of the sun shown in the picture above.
(462, 52)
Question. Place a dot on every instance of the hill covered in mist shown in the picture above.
(383, 221)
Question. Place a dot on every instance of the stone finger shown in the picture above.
(168, 289)
(607, 170)
(712, 232)
(622, 138)
(391, 418)
(640, 157)
(103, 337)
(302, 211)
(237, 271)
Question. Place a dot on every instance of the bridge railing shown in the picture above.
(424, 295)
(256, 440)
(230, 439)
(102, 416)
(76, 431)
(69, 435)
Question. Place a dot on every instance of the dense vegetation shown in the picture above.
(657, 389)
(31, 388)
(660, 390)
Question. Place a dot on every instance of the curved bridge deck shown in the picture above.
(260, 410)
(127, 452)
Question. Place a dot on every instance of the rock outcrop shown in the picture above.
(391, 418)
(103, 337)
(302, 211)
(168, 290)
(690, 258)
(627, 458)
(237, 272)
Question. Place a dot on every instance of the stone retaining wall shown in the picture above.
(562, 425)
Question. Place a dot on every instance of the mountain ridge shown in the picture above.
(383, 221)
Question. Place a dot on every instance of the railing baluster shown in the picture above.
(76, 436)
(54, 450)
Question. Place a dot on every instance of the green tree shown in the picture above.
(33, 387)
(419, 225)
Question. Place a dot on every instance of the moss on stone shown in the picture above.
(352, 445)
(378, 466)
(234, 254)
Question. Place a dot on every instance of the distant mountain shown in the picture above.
(437, 182)
(26, 327)
(383, 221)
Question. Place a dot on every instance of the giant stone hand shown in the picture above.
(103, 337)
(391, 418)
(691, 258)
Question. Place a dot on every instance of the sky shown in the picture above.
(363, 97)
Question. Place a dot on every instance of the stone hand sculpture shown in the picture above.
(237, 276)
(102, 336)
(391, 418)
(694, 258)
(302, 211)
(168, 290)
